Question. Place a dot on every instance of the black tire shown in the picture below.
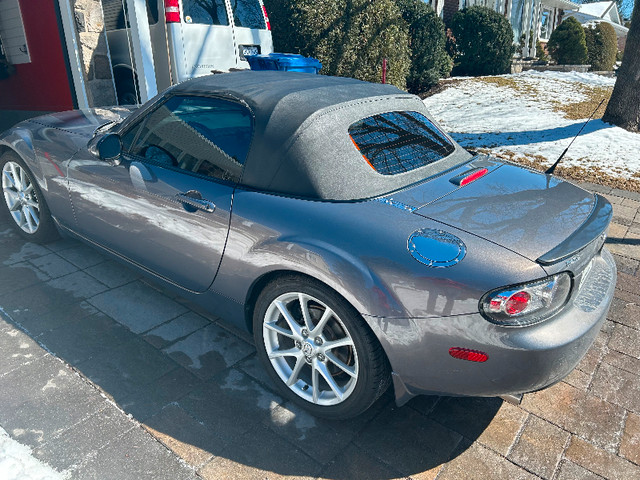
(367, 375)
(126, 90)
(46, 230)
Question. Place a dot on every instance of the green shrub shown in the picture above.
(602, 46)
(349, 37)
(427, 44)
(484, 42)
(567, 44)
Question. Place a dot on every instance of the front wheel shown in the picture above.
(24, 202)
(318, 349)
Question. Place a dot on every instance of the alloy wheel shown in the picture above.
(20, 197)
(310, 349)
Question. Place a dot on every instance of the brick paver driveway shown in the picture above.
(104, 376)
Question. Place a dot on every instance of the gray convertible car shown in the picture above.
(335, 220)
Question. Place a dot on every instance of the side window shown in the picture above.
(248, 13)
(205, 136)
(128, 138)
(207, 12)
(114, 14)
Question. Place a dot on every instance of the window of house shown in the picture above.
(13, 38)
(204, 136)
(545, 24)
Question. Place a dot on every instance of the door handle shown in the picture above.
(191, 199)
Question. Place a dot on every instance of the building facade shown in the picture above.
(531, 20)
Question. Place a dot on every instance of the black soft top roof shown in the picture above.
(301, 144)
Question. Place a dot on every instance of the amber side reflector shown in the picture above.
(468, 354)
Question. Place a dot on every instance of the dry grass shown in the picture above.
(583, 109)
(520, 87)
(572, 111)
(441, 87)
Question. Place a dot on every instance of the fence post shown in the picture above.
(384, 70)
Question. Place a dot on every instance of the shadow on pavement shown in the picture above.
(196, 385)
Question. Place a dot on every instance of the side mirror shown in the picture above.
(107, 147)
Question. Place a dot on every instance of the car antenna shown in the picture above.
(552, 168)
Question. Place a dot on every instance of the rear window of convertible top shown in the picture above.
(397, 142)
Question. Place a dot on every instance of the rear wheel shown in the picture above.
(24, 202)
(317, 348)
(126, 87)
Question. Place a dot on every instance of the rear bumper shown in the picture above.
(521, 359)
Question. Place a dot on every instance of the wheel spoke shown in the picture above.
(13, 197)
(16, 180)
(27, 218)
(328, 313)
(293, 325)
(315, 382)
(305, 311)
(351, 371)
(291, 352)
(342, 342)
(280, 330)
(28, 189)
(293, 378)
(23, 181)
(9, 177)
(322, 368)
(34, 216)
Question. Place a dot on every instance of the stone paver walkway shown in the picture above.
(105, 376)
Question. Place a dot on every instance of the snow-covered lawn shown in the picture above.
(532, 117)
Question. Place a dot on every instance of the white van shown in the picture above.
(189, 38)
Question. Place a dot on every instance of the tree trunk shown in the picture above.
(624, 107)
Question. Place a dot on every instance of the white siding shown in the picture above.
(14, 41)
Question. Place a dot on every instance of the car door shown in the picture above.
(167, 205)
(204, 38)
(250, 29)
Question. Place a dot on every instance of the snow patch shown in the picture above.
(17, 463)
(521, 120)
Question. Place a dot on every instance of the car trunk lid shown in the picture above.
(525, 211)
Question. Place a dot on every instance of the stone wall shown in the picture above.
(94, 54)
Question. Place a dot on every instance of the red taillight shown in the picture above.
(266, 17)
(172, 11)
(473, 177)
(468, 354)
(527, 303)
(517, 303)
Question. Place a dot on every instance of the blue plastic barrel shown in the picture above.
(288, 62)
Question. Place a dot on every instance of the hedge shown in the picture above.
(349, 37)
(602, 46)
(567, 44)
(484, 42)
